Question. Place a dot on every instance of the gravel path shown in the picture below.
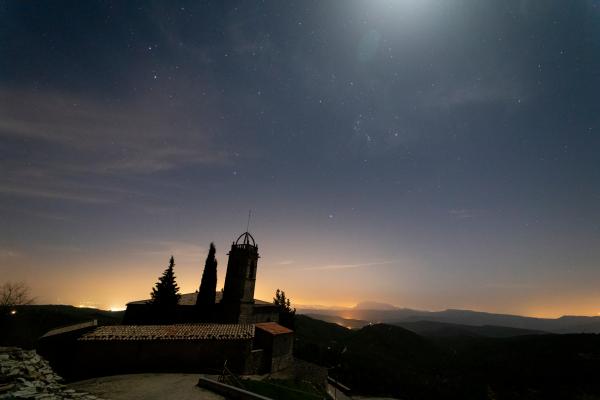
(146, 387)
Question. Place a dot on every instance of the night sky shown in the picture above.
(428, 154)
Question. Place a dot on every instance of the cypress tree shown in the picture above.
(208, 285)
(166, 292)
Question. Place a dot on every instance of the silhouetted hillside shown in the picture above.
(31, 322)
(391, 361)
(318, 341)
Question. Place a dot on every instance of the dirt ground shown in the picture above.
(146, 387)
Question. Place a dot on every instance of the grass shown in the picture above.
(285, 389)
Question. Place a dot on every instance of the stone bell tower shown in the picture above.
(238, 294)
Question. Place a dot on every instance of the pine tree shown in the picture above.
(208, 285)
(287, 314)
(166, 292)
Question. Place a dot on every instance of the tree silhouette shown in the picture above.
(208, 285)
(287, 314)
(13, 294)
(166, 292)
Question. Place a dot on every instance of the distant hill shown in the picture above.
(346, 323)
(373, 305)
(384, 360)
(30, 322)
(434, 328)
(565, 324)
(444, 329)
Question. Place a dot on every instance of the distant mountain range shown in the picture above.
(436, 329)
(373, 312)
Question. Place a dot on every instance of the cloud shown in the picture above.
(510, 285)
(462, 213)
(348, 266)
(76, 134)
(47, 184)
(36, 214)
(6, 253)
(66, 147)
(51, 194)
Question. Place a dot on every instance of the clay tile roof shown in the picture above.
(273, 328)
(172, 332)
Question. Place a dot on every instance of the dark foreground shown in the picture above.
(390, 360)
(384, 360)
(146, 387)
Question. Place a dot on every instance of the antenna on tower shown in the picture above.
(248, 225)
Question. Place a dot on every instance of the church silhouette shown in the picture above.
(201, 333)
(235, 304)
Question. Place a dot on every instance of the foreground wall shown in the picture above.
(79, 359)
(277, 342)
(85, 350)
(128, 356)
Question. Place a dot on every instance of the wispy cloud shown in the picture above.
(93, 137)
(462, 213)
(78, 149)
(509, 285)
(8, 253)
(36, 214)
(349, 266)
(50, 194)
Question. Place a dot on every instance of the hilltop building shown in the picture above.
(202, 334)
(235, 304)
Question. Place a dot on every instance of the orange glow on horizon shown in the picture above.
(106, 286)
(345, 309)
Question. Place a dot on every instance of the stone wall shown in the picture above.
(278, 349)
(265, 314)
(26, 375)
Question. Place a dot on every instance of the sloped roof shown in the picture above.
(171, 332)
(71, 328)
(273, 328)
